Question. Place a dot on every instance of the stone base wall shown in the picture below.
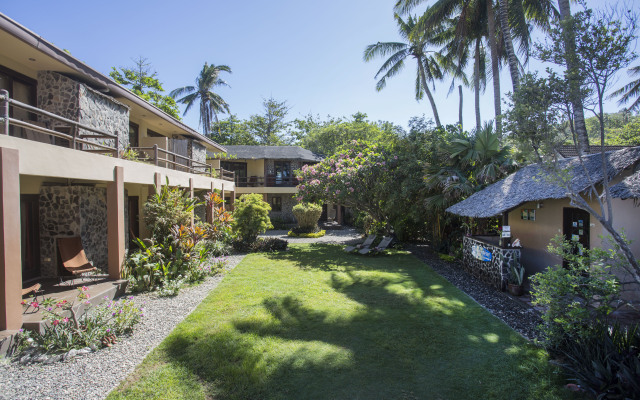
(287, 207)
(494, 272)
(67, 211)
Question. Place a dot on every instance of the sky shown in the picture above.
(308, 53)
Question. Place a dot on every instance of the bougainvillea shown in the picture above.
(355, 176)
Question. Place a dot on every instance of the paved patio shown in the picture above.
(341, 236)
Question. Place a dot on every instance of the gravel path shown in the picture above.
(94, 375)
(519, 316)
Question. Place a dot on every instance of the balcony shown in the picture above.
(47, 127)
(266, 181)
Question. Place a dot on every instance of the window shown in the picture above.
(133, 135)
(22, 89)
(276, 203)
(282, 172)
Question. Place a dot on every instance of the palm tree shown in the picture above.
(630, 90)
(210, 103)
(428, 69)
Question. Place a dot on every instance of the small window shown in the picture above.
(276, 203)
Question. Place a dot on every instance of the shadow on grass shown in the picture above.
(409, 336)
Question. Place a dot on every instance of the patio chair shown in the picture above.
(364, 244)
(34, 288)
(382, 246)
(73, 258)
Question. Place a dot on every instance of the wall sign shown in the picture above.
(480, 253)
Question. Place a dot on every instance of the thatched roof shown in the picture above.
(629, 188)
(531, 183)
(273, 152)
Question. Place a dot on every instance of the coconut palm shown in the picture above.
(428, 69)
(211, 104)
(630, 90)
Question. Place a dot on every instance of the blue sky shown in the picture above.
(306, 52)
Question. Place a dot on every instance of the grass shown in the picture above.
(317, 323)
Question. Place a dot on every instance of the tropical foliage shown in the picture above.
(210, 103)
(250, 217)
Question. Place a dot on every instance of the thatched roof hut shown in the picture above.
(536, 183)
(629, 188)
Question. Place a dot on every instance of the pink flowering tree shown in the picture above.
(356, 176)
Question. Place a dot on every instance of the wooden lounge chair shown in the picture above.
(34, 288)
(382, 246)
(73, 259)
(365, 244)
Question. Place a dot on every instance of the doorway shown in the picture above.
(576, 224)
(30, 235)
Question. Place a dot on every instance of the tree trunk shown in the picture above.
(476, 86)
(508, 42)
(425, 86)
(582, 140)
(495, 66)
(460, 107)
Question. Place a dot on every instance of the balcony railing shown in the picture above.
(76, 139)
(266, 181)
(77, 136)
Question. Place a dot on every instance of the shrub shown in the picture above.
(575, 297)
(164, 210)
(307, 215)
(278, 223)
(251, 217)
(318, 234)
(260, 245)
(606, 362)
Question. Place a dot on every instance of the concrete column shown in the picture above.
(10, 250)
(115, 223)
(157, 181)
(339, 214)
(264, 197)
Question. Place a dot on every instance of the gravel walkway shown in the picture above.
(519, 316)
(94, 375)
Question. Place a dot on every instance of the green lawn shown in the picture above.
(316, 323)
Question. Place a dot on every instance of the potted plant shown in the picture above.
(516, 278)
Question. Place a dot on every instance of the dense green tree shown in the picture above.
(232, 131)
(211, 104)
(270, 128)
(141, 81)
(250, 217)
(414, 46)
(329, 137)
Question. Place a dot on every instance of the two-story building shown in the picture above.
(67, 167)
(268, 170)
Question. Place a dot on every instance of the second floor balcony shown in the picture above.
(266, 181)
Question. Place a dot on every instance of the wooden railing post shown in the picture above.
(155, 154)
(74, 134)
(4, 111)
(117, 146)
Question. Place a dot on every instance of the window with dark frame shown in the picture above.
(276, 203)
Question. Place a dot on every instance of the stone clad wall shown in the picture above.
(67, 211)
(288, 201)
(104, 113)
(494, 272)
(73, 100)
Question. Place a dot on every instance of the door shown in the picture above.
(576, 228)
(134, 221)
(30, 235)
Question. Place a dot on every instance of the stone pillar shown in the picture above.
(339, 219)
(10, 250)
(115, 223)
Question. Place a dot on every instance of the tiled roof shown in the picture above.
(273, 152)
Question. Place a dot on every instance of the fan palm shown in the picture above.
(211, 104)
(428, 69)
(630, 90)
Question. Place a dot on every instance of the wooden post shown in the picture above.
(115, 223)
(155, 154)
(4, 111)
(10, 249)
(504, 242)
(157, 184)
(193, 220)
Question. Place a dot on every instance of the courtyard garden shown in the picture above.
(315, 322)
